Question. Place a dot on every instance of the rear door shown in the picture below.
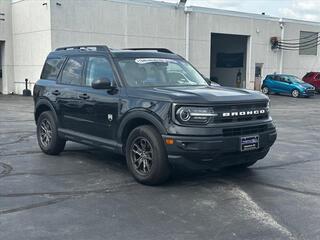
(70, 84)
(100, 107)
(50, 72)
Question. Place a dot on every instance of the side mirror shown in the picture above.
(209, 81)
(102, 83)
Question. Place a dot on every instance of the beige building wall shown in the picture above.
(33, 28)
(31, 35)
(293, 62)
(119, 24)
(6, 48)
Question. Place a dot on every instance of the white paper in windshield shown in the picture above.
(153, 60)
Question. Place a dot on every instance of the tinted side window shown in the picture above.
(98, 68)
(276, 78)
(285, 79)
(72, 72)
(270, 77)
(51, 68)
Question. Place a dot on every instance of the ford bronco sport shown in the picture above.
(150, 105)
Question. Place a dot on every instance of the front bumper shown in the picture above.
(219, 150)
(308, 93)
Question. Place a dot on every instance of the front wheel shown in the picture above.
(146, 156)
(295, 93)
(47, 134)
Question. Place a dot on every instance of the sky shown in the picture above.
(296, 9)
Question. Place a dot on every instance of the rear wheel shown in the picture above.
(265, 90)
(47, 134)
(295, 93)
(146, 156)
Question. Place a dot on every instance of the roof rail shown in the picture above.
(98, 48)
(163, 50)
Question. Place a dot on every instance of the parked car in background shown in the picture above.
(313, 78)
(287, 84)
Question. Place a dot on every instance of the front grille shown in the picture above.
(244, 130)
(244, 109)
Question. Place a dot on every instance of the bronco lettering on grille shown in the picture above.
(244, 113)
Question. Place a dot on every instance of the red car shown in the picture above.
(313, 78)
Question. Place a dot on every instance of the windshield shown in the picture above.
(144, 72)
(295, 79)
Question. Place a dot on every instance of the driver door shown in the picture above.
(285, 86)
(100, 107)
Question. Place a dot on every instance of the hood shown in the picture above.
(305, 85)
(197, 94)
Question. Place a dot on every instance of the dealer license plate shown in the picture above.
(249, 143)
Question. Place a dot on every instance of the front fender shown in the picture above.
(141, 114)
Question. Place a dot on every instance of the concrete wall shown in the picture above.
(293, 62)
(31, 39)
(118, 24)
(40, 26)
(6, 46)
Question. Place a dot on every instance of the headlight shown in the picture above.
(194, 115)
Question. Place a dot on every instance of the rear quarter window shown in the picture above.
(52, 68)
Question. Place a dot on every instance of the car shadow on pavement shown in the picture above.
(179, 175)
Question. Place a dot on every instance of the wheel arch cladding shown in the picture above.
(136, 119)
(42, 106)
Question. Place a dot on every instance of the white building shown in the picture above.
(219, 43)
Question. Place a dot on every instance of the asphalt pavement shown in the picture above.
(87, 193)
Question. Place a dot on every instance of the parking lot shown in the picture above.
(87, 193)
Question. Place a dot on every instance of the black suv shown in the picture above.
(150, 105)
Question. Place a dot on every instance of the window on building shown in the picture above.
(51, 68)
(308, 43)
(98, 68)
(72, 72)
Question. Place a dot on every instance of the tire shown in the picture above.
(146, 143)
(47, 134)
(295, 93)
(265, 90)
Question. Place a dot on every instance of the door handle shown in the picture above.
(84, 96)
(56, 92)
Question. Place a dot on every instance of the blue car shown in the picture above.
(287, 84)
